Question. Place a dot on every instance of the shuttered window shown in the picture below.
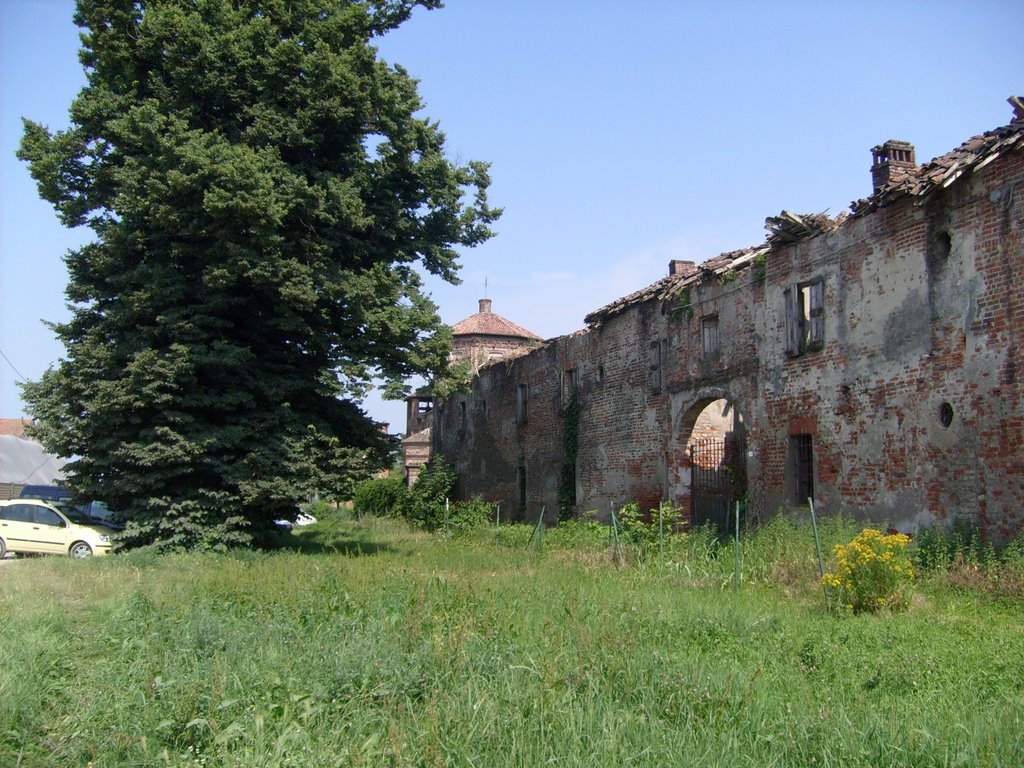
(805, 317)
(654, 366)
(709, 333)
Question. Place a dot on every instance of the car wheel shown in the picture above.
(80, 549)
(3, 549)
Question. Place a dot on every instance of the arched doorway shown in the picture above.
(711, 451)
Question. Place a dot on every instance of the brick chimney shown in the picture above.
(485, 305)
(680, 267)
(891, 160)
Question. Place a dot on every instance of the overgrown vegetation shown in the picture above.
(428, 497)
(570, 448)
(455, 379)
(380, 496)
(759, 267)
(373, 643)
(427, 504)
(683, 307)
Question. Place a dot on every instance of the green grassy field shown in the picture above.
(369, 644)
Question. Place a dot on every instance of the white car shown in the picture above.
(31, 526)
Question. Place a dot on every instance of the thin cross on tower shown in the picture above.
(485, 286)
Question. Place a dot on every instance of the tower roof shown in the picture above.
(487, 323)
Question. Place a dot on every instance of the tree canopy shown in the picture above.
(263, 191)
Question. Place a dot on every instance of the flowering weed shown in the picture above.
(872, 571)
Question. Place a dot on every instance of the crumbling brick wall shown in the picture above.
(905, 407)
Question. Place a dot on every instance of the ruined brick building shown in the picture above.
(480, 339)
(872, 362)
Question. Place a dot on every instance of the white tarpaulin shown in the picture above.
(25, 462)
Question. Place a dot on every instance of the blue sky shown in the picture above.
(621, 135)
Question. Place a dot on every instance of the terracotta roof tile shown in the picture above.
(673, 285)
(423, 436)
(788, 227)
(487, 323)
(976, 152)
(14, 427)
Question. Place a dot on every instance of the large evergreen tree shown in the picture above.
(262, 192)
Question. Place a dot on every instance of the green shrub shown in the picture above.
(320, 509)
(462, 517)
(586, 533)
(961, 541)
(425, 502)
(513, 535)
(380, 496)
(645, 530)
(1013, 554)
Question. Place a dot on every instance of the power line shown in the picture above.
(16, 371)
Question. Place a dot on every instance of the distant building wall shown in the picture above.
(481, 338)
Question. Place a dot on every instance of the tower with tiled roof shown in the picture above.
(488, 336)
(480, 338)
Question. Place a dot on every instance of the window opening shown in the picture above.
(522, 486)
(570, 383)
(656, 356)
(46, 516)
(946, 414)
(803, 456)
(19, 513)
(805, 317)
(709, 332)
(522, 396)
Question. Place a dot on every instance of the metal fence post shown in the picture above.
(817, 544)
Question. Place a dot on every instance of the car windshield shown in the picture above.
(76, 515)
(100, 511)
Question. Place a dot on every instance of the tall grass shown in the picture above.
(371, 644)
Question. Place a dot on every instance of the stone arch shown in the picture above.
(708, 444)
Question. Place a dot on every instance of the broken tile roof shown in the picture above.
(492, 324)
(787, 227)
(972, 155)
(423, 436)
(653, 291)
(673, 285)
